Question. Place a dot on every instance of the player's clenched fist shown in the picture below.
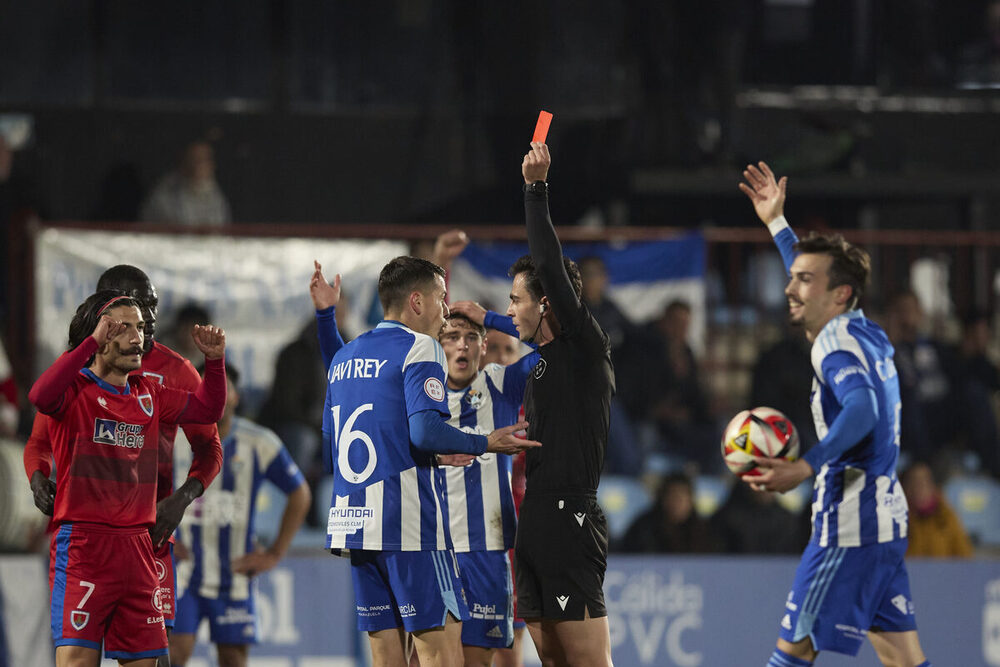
(503, 440)
(210, 340)
(107, 330)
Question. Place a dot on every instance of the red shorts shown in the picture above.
(105, 587)
(163, 561)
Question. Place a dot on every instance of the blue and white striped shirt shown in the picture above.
(857, 498)
(385, 494)
(219, 525)
(480, 501)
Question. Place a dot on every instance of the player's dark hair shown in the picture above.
(475, 326)
(401, 277)
(133, 280)
(533, 283)
(89, 312)
(675, 305)
(851, 265)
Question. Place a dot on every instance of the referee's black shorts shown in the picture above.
(560, 557)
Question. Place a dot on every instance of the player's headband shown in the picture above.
(110, 302)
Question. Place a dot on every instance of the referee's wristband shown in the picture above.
(538, 188)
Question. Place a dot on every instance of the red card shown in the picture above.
(542, 127)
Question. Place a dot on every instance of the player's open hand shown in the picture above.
(322, 292)
(44, 491)
(107, 330)
(470, 309)
(535, 165)
(765, 192)
(255, 562)
(778, 474)
(210, 340)
(503, 440)
(448, 246)
(456, 460)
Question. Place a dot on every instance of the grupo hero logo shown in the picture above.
(118, 434)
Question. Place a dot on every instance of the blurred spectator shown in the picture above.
(623, 454)
(19, 202)
(925, 386)
(294, 408)
(674, 398)
(977, 384)
(934, 530)
(782, 378)
(178, 334)
(752, 522)
(190, 195)
(501, 348)
(121, 194)
(671, 525)
(979, 62)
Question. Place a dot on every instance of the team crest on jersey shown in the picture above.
(146, 403)
(475, 398)
(434, 388)
(540, 369)
(78, 619)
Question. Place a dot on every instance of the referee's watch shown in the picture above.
(540, 188)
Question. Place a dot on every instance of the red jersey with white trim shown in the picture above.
(105, 441)
(163, 365)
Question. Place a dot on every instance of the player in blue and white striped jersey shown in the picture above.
(384, 421)
(481, 510)
(851, 582)
(217, 534)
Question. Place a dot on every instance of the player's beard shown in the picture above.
(120, 361)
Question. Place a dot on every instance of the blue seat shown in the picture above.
(976, 500)
(623, 499)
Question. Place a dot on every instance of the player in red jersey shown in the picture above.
(172, 370)
(104, 580)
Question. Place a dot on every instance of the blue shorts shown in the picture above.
(841, 593)
(489, 593)
(415, 590)
(229, 621)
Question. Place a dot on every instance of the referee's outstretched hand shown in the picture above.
(503, 440)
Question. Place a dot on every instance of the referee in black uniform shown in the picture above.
(560, 554)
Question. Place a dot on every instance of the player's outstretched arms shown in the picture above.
(503, 440)
(323, 294)
(44, 492)
(470, 309)
(766, 193)
(210, 340)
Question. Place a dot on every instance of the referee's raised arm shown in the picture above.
(546, 252)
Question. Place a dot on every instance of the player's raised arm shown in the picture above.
(546, 251)
(767, 194)
(49, 389)
(326, 297)
(205, 405)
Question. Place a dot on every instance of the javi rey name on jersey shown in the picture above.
(356, 368)
(119, 434)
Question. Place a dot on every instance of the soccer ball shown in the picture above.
(758, 432)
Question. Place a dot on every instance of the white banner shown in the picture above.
(257, 289)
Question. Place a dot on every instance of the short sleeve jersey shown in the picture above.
(480, 501)
(385, 495)
(218, 527)
(105, 445)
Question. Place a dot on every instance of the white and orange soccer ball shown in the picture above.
(759, 432)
